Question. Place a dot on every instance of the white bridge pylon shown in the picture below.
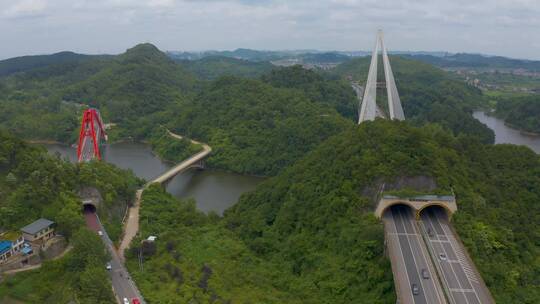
(368, 109)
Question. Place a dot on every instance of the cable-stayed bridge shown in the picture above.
(368, 108)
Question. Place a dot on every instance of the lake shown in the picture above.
(213, 190)
(507, 135)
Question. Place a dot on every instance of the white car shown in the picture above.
(100, 233)
(109, 266)
(442, 256)
(126, 301)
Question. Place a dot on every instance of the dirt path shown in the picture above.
(32, 267)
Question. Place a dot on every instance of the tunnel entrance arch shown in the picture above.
(89, 207)
(417, 203)
(436, 208)
(398, 205)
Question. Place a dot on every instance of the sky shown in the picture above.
(497, 27)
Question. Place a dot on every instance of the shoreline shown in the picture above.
(490, 113)
(164, 160)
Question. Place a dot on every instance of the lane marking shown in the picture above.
(443, 273)
(439, 241)
(402, 218)
(461, 290)
(428, 263)
(403, 258)
(446, 253)
(406, 234)
(452, 239)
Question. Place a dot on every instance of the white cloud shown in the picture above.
(505, 27)
(22, 8)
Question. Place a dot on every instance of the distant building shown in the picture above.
(40, 230)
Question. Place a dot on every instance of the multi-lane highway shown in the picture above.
(411, 263)
(122, 284)
(462, 282)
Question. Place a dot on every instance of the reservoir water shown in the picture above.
(507, 135)
(212, 190)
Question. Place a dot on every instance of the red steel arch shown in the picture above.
(92, 131)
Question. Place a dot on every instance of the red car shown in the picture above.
(135, 301)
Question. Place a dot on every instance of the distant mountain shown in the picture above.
(26, 63)
(464, 60)
(304, 56)
(213, 67)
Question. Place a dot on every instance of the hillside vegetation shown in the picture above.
(520, 112)
(256, 126)
(213, 67)
(477, 61)
(309, 235)
(314, 220)
(127, 89)
(253, 127)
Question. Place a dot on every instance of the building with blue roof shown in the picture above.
(5, 250)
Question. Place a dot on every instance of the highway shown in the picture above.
(359, 90)
(461, 280)
(122, 284)
(409, 257)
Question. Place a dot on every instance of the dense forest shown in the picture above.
(34, 184)
(213, 67)
(308, 235)
(520, 112)
(243, 120)
(287, 110)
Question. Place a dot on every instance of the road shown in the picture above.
(409, 256)
(359, 90)
(462, 281)
(122, 284)
(131, 226)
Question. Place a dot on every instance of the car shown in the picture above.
(442, 256)
(100, 233)
(425, 274)
(126, 301)
(135, 301)
(415, 290)
(109, 266)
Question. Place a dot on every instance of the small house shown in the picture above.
(40, 230)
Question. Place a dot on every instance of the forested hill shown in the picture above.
(520, 112)
(334, 93)
(316, 222)
(254, 127)
(476, 61)
(135, 84)
(428, 94)
(25, 63)
(127, 89)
